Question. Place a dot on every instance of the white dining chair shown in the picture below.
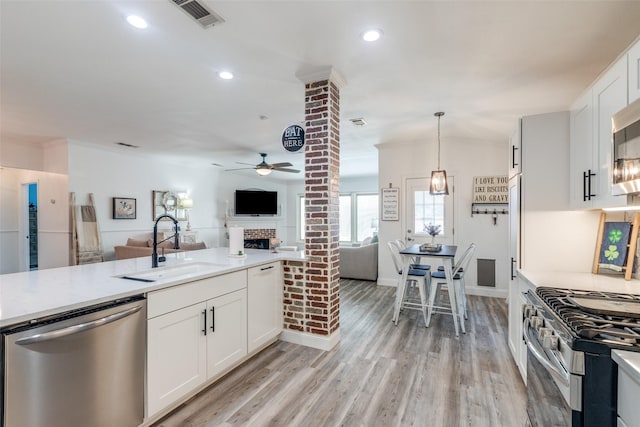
(457, 295)
(415, 265)
(419, 279)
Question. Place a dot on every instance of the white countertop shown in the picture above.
(582, 281)
(629, 362)
(30, 295)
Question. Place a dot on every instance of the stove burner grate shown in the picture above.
(611, 328)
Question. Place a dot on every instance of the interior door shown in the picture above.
(28, 224)
(417, 215)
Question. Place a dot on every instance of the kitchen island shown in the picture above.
(204, 313)
(35, 294)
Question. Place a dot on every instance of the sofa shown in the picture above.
(139, 248)
(360, 262)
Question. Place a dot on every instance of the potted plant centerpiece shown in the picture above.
(433, 231)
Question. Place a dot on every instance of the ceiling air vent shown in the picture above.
(199, 12)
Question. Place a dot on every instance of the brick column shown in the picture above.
(312, 297)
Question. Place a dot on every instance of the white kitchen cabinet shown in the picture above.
(537, 206)
(591, 148)
(515, 305)
(633, 80)
(582, 168)
(609, 96)
(522, 343)
(226, 332)
(628, 387)
(183, 351)
(176, 355)
(264, 305)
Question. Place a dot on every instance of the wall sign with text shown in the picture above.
(491, 189)
(293, 138)
(390, 204)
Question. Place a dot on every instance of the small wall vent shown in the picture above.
(487, 272)
(204, 16)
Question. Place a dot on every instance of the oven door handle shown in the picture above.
(556, 371)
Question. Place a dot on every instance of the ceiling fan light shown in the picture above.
(263, 171)
(438, 184)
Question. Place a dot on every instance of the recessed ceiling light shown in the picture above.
(137, 22)
(226, 75)
(371, 35)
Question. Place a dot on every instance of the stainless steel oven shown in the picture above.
(554, 371)
(571, 378)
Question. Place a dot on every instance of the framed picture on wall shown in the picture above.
(390, 204)
(124, 208)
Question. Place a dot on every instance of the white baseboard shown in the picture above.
(387, 282)
(320, 342)
(487, 292)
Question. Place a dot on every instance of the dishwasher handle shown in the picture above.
(74, 329)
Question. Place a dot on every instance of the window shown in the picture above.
(367, 216)
(428, 210)
(345, 218)
(358, 216)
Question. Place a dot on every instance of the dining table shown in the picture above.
(413, 255)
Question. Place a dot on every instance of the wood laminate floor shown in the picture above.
(378, 375)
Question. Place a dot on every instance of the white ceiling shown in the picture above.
(77, 70)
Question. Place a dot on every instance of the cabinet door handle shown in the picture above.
(204, 312)
(266, 268)
(584, 186)
(513, 261)
(513, 156)
(213, 319)
(591, 174)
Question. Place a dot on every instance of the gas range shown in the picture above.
(596, 320)
(571, 378)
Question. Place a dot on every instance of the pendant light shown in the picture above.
(438, 185)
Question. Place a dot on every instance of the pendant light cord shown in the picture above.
(439, 114)
(439, 142)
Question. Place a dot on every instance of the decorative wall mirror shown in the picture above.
(167, 202)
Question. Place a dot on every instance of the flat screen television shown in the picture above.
(256, 202)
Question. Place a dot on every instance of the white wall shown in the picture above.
(21, 155)
(53, 219)
(30, 162)
(129, 174)
(399, 161)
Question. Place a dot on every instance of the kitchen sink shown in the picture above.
(165, 273)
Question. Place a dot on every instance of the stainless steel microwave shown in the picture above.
(626, 149)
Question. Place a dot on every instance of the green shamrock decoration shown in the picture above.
(615, 236)
(612, 253)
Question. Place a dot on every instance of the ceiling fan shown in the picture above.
(263, 168)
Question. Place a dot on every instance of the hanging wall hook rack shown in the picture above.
(489, 209)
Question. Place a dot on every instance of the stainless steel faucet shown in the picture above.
(176, 244)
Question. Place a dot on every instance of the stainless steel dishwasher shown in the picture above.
(85, 368)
